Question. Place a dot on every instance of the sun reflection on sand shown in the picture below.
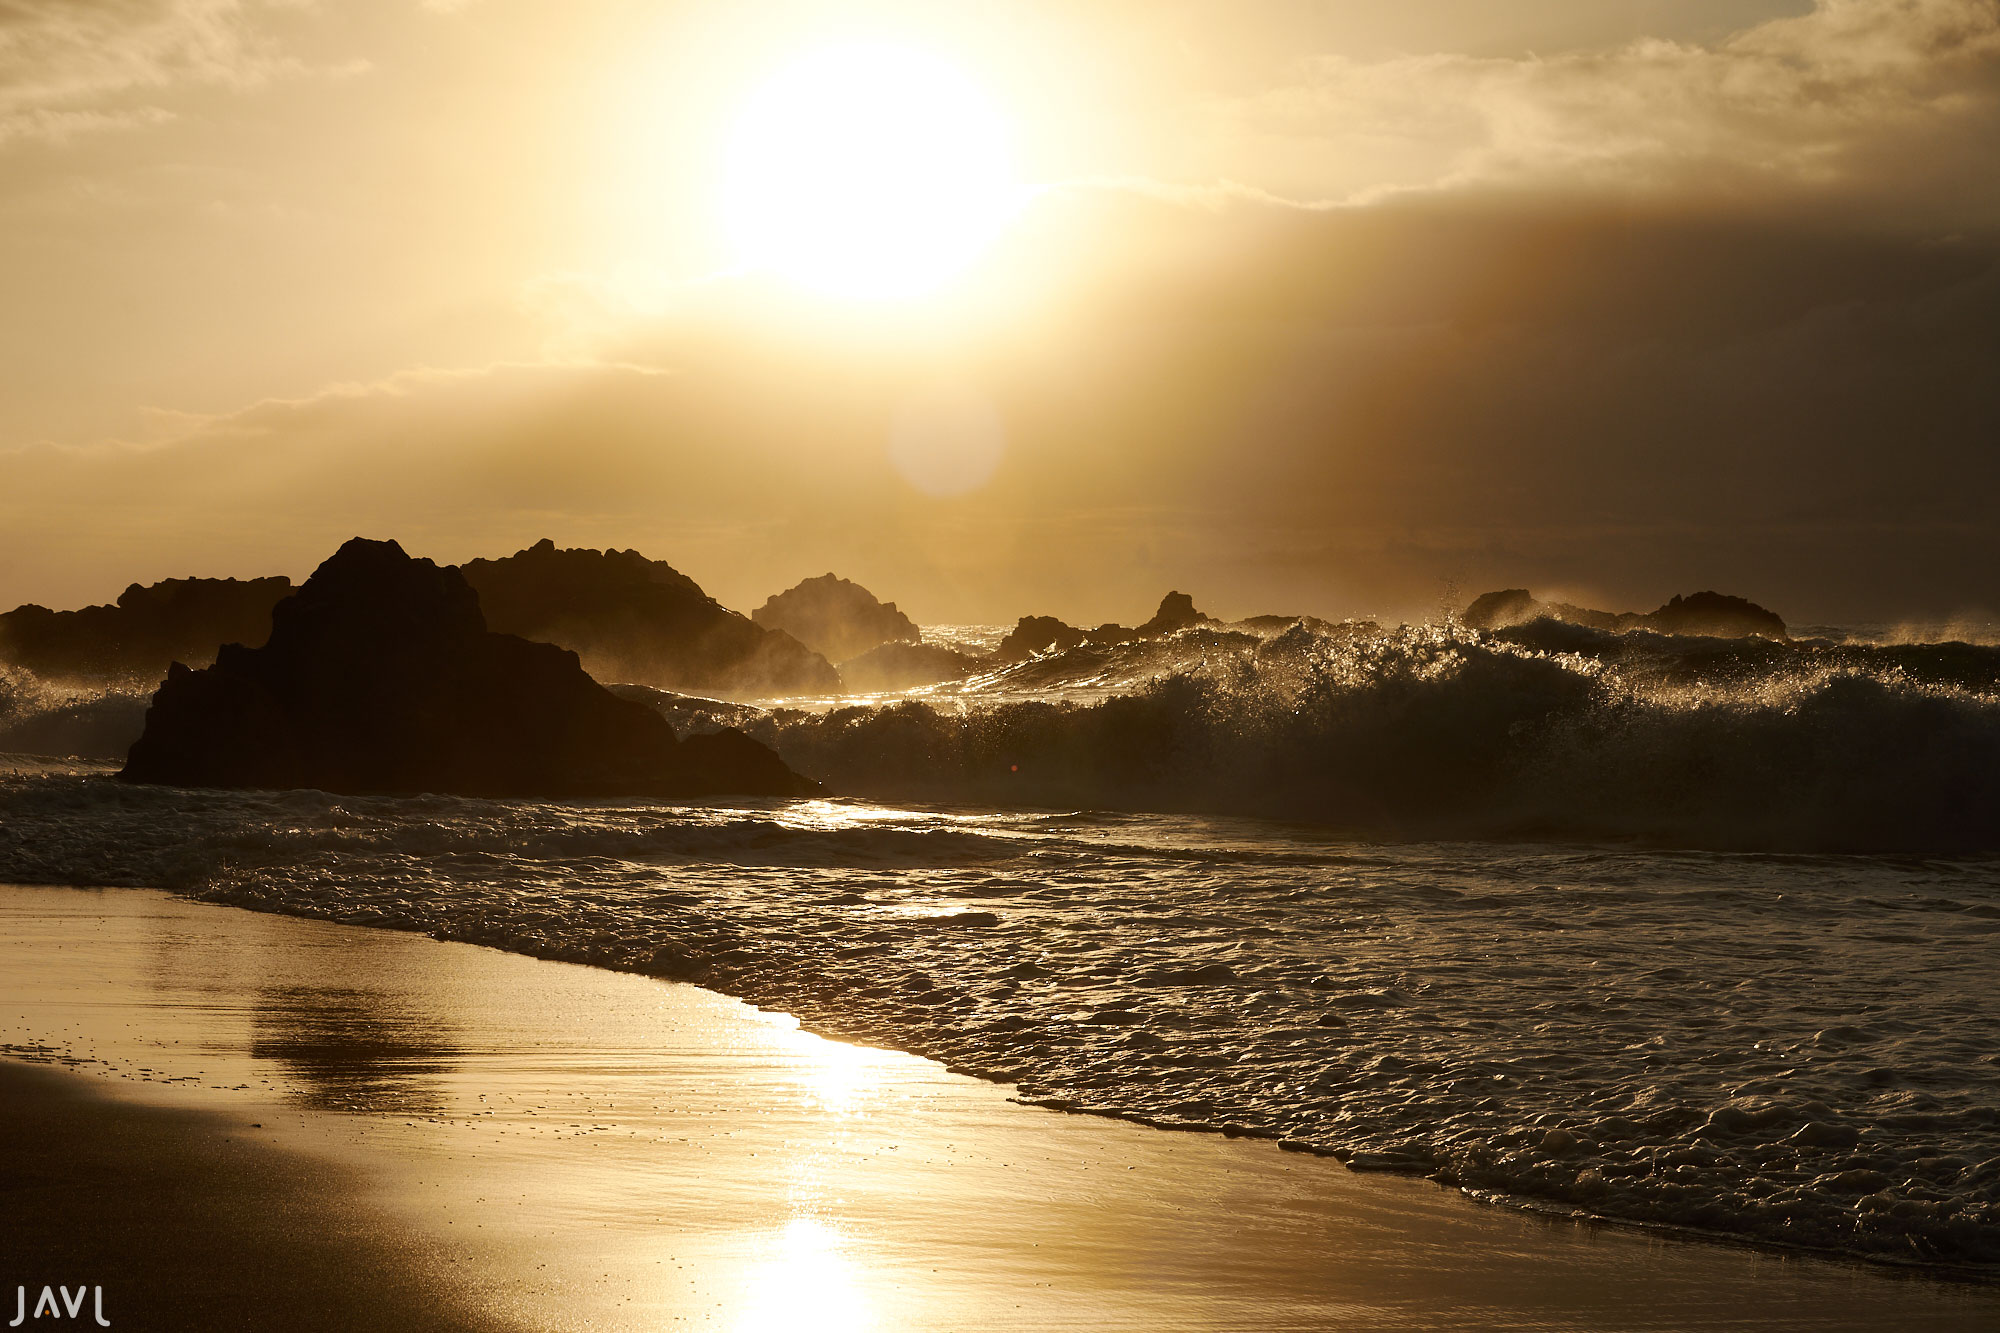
(805, 1282)
(839, 1077)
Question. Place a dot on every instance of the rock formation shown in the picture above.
(835, 618)
(178, 620)
(1709, 614)
(1176, 613)
(642, 621)
(381, 676)
(1037, 634)
(1717, 616)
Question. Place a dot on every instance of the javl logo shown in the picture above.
(71, 1305)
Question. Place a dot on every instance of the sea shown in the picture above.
(1689, 934)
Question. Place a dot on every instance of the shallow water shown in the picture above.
(579, 1149)
(1790, 1049)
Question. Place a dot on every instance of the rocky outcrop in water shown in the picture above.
(836, 618)
(642, 621)
(381, 676)
(1038, 634)
(1176, 613)
(1717, 616)
(1706, 614)
(177, 620)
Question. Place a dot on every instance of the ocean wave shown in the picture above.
(39, 716)
(1433, 733)
(1546, 730)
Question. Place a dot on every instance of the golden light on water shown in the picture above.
(868, 172)
(805, 1283)
(839, 1076)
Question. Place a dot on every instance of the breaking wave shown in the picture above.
(40, 716)
(1434, 732)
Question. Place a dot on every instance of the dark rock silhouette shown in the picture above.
(1176, 613)
(835, 618)
(1036, 634)
(1717, 616)
(1707, 614)
(642, 621)
(905, 666)
(177, 620)
(381, 676)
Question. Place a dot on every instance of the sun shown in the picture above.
(868, 172)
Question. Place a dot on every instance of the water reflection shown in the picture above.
(352, 1052)
(806, 1281)
(839, 1077)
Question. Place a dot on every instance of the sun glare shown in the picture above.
(868, 172)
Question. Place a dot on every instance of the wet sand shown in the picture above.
(177, 1218)
(497, 1141)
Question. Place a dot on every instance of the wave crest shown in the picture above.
(1431, 732)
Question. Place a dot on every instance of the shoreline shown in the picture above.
(187, 1218)
(1359, 1163)
(644, 1125)
(1527, 1206)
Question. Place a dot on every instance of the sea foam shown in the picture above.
(1786, 1049)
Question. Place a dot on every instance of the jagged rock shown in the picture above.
(1176, 613)
(1710, 614)
(905, 666)
(838, 619)
(177, 620)
(1037, 634)
(642, 621)
(381, 676)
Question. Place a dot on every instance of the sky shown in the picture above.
(1338, 307)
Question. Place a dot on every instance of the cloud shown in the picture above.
(1275, 408)
(1857, 92)
(73, 66)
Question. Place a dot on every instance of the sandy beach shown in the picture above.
(864, 666)
(187, 1219)
(237, 1114)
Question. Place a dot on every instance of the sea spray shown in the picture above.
(1438, 733)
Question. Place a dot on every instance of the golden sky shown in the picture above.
(1293, 306)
